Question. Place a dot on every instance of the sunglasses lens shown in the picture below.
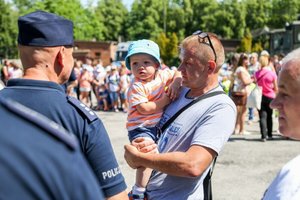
(203, 35)
(197, 32)
(201, 38)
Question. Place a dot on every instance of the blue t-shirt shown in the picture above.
(49, 99)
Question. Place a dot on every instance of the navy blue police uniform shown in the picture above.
(39, 159)
(44, 29)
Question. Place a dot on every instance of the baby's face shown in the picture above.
(143, 66)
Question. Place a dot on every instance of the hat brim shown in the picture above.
(139, 51)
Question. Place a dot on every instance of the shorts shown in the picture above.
(103, 95)
(123, 96)
(82, 89)
(114, 96)
(149, 132)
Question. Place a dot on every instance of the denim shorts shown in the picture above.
(123, 96)
(150, 132)
(113, 96)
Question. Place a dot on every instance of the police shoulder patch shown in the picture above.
(86, 111)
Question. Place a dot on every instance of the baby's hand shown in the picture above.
(144, 145)
(173, 90)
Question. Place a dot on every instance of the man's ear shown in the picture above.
(212, 66)
(60, 56)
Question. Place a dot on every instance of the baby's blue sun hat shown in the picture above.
(143, 46)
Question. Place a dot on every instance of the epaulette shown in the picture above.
(86, 111)
(43, 122)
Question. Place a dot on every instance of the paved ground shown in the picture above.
(244, 169)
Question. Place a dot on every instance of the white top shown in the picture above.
(238, 83)
(286, 185)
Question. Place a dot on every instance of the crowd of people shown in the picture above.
(62, 135)
(240, 75)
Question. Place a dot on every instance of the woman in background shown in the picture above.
(241, 79)
(267, 79)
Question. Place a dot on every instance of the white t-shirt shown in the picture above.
(113, 81)
(238, 83)
(286, 185)
(208, 123)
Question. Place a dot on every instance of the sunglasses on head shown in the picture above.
(202, 39)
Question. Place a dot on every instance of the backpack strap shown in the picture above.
(204, 96)
(207, 188)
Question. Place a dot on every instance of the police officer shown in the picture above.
(39, 159)
(45, 46)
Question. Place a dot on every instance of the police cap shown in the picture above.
(45, 29)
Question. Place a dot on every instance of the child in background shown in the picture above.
(147, 98)
(102, 98)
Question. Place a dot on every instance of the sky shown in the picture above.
(127, 3)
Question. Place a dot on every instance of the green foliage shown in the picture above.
(8, 31)
(283, 11)
(203, 17)
(176, 20)
(114, 14)
(148, 19)
(246, 42)
(257, 13)
(257, 47)
(230, 19)
(168, 48)
(144, 20)
(86, 25)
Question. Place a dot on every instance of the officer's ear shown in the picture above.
(60, 56)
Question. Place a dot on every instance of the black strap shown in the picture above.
(207, 188)
(204, 96)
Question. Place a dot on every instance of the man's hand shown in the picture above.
(134, 151)
(131, 156)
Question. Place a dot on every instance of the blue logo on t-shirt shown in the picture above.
(163, 144)
(174, 129)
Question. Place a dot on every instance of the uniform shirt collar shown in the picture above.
(34, 83)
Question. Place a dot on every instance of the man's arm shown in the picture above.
(191, 163)
(122, 195)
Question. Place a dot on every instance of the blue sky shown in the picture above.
(127, 3)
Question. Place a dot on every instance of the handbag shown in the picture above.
(239, 98)
(254, 98)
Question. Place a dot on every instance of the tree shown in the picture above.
(86, 25)
(230, 19)
(144, 20)
(257, 15)
(246, 43)
(24, 6)
(172, 49)
(283, 11)
(168, 48)
(113, 17)
(175, 18)
(8, 31)
(203, 15)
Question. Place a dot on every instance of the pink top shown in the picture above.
(265, 78)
